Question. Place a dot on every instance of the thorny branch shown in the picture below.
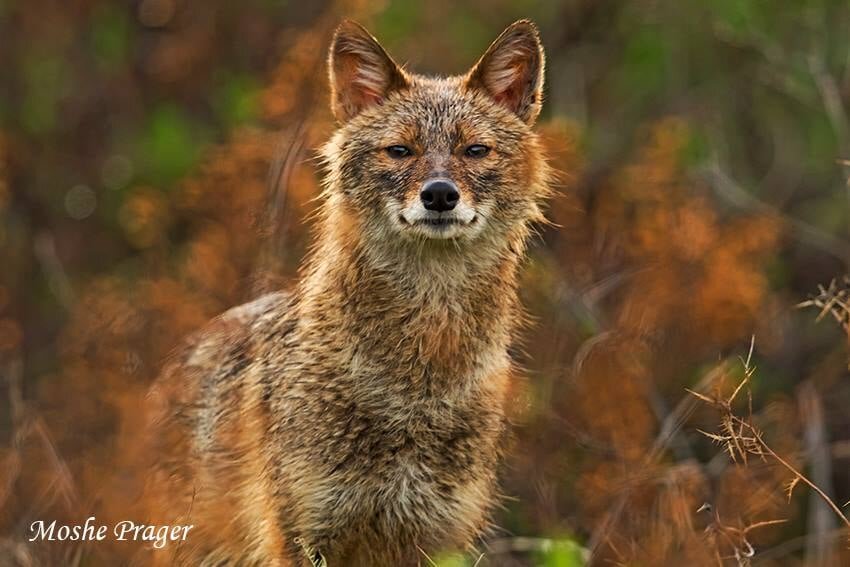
(741, 439)
(734, 537)
(832, 300)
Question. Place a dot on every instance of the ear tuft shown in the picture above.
(361, 72)
(511, 70)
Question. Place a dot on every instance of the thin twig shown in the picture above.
(741, 438)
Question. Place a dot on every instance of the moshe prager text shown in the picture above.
(122, 531)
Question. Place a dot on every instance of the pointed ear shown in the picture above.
(511, 71)
(361, 72)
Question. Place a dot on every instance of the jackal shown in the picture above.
(359, 419)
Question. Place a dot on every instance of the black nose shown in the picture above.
(439, 195)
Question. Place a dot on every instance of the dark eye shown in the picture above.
(477, 151)
(398, 152)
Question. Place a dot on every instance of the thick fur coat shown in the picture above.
(359, 419)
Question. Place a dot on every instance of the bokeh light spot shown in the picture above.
(80, 202)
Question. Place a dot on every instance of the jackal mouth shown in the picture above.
(438, 222)
(461, 222)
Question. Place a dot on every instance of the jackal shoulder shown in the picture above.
(207, 371)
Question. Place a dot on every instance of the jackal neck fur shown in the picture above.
(431, 313)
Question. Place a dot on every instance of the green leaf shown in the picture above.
(697, 149)
(397, 21)
(451, 560)
(739, 15)
(110, 35)
(46, 82)
(170, 146)
(236, 99)
(563, 553)
(644, 68)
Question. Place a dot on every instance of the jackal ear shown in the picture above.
(361, 72)
(511, 70)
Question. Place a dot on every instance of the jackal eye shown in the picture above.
(398, 152)
(477, 151)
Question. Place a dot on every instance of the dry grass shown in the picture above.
(742, 439)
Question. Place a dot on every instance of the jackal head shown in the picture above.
(423, 158)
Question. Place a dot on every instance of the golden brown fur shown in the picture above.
(362, 415)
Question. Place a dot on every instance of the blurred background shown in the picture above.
(157, 166)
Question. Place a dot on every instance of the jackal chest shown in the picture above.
(425, 481)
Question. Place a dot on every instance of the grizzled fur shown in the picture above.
(361, 416)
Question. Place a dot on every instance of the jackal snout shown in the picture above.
(439, 195)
